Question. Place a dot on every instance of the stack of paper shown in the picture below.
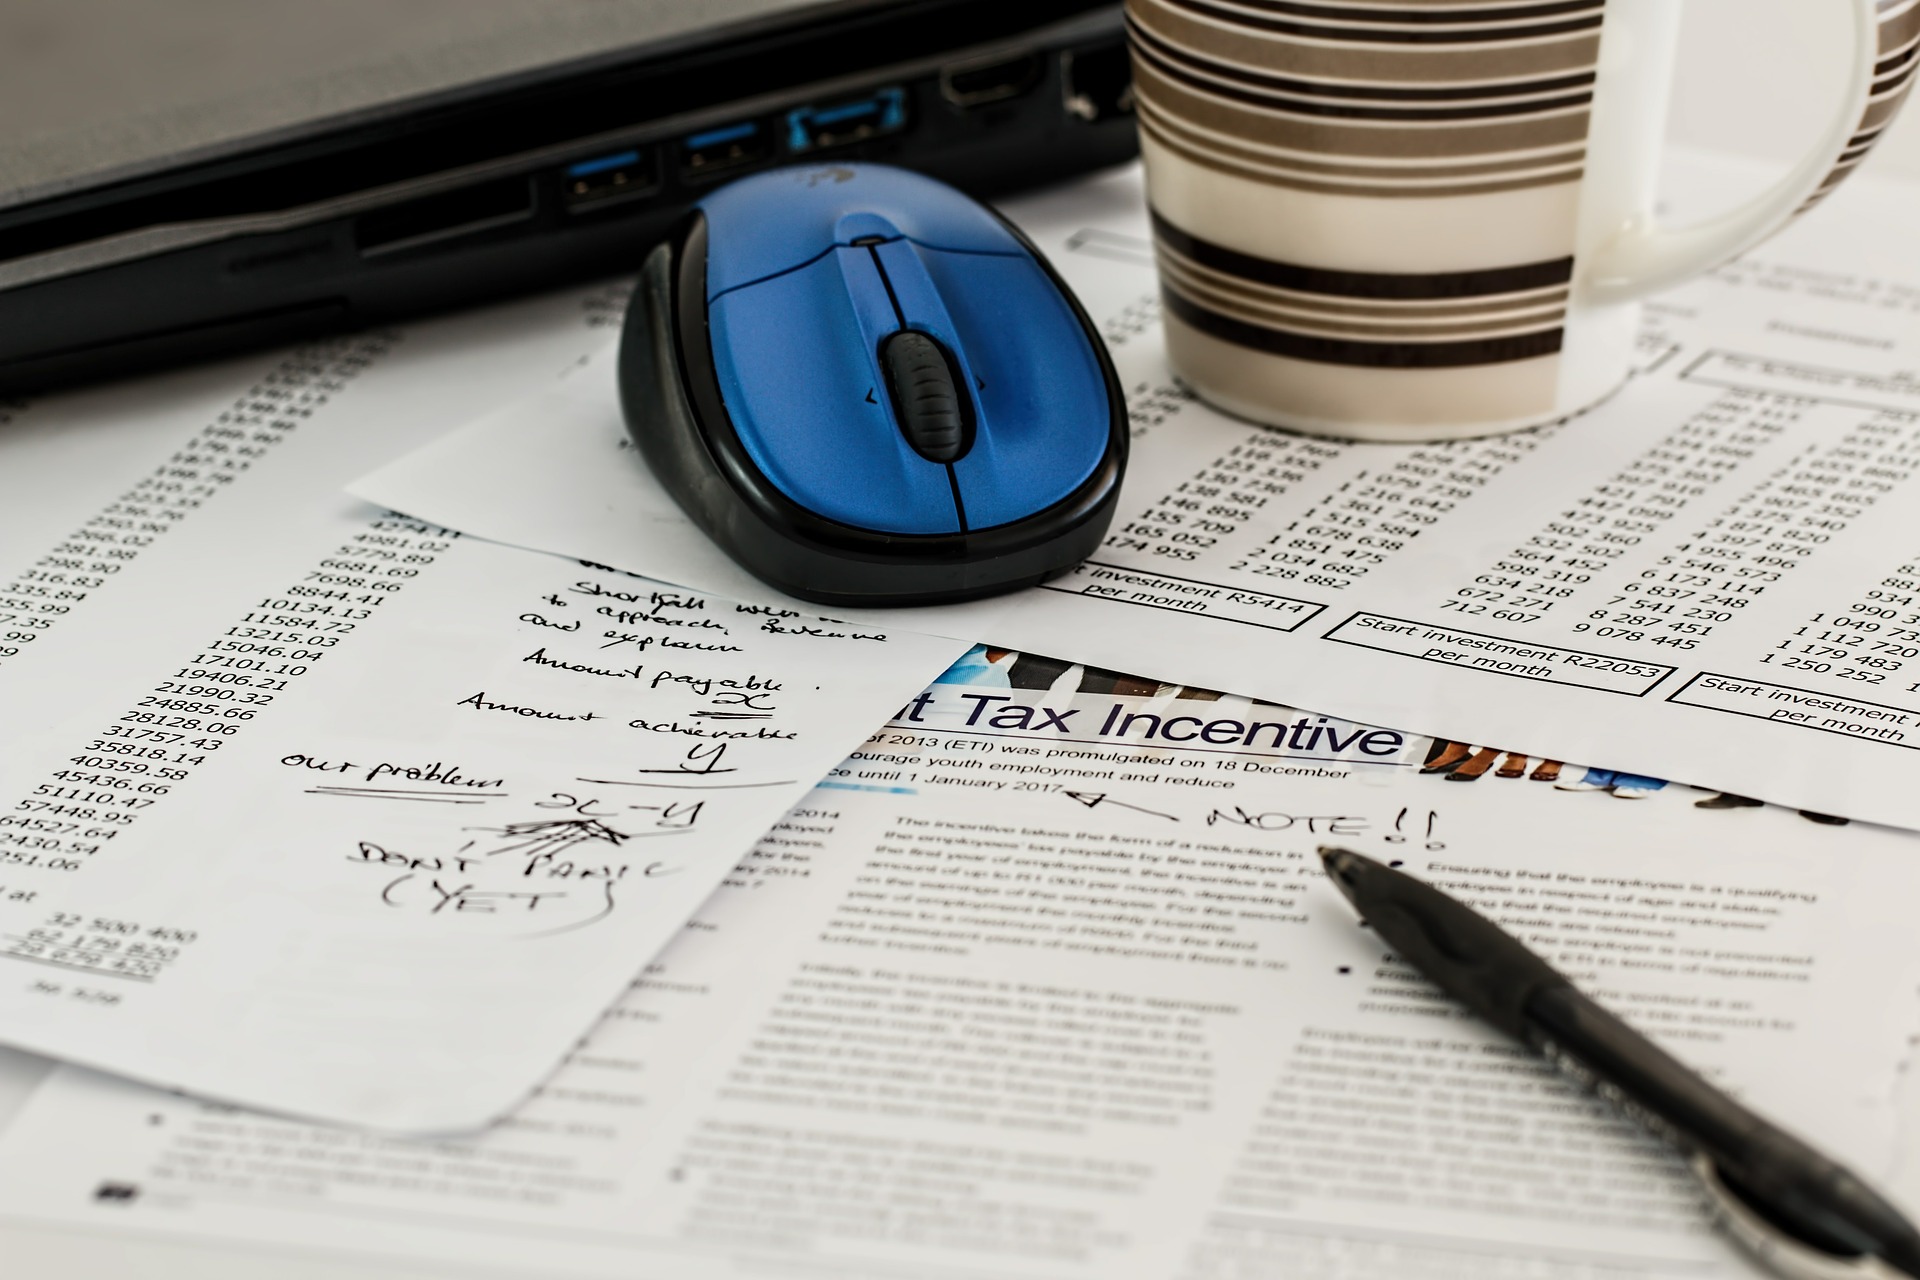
(352, 814)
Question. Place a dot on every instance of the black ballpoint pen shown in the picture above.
(1799, 1212)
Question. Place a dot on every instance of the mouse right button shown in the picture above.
(1044, 415)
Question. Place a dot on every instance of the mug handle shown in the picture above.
(1646, 256)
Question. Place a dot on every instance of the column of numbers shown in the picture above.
(1218, 500)
(1580, 545)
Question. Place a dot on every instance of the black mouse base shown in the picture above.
(673, 412)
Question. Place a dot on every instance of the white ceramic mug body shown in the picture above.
(1381, 220)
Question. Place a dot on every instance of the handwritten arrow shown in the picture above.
(549, 836)
(1092, 799)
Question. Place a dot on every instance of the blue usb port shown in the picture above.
(606, 179)
(730, 146)
(838, 124)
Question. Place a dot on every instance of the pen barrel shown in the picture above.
(1784, 1195)
(1796, 1188)
(1639, 1077)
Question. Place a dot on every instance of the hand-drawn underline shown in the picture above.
(685, 786)
(397, 793)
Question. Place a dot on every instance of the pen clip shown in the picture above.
(1778, 1251)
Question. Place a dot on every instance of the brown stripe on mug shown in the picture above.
(1441, 5)
(1221, 80)
(1890, 64)
(1353, 351)
(1273, 175)
(1222, 38)
(1326, 326)
(1899, 37)
(1532, 328)
(1274, 129)
(1342, 90)
(1587, 20)
(1365, 284)
(1459, 11)
(1232, 290)
(1387, 171)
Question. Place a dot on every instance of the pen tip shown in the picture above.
(1347, 868)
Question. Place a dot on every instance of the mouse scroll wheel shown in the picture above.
(933, 411)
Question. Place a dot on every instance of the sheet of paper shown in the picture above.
(1710, 576)
(1041, 982)
(140, 514)
(20, 1075)
(339, 814)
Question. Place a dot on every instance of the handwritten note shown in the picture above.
(1087, 1002)
(380, 849)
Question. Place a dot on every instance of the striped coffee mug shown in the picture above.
(1429, 219)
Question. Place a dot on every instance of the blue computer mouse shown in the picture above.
(867, 388)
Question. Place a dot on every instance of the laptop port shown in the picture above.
(837, 124)
(606, 179)
(727, 147)
(1099, 83)
(975, 85)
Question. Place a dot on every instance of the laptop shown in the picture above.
(183, 180)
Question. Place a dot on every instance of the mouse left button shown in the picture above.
(797, 372)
